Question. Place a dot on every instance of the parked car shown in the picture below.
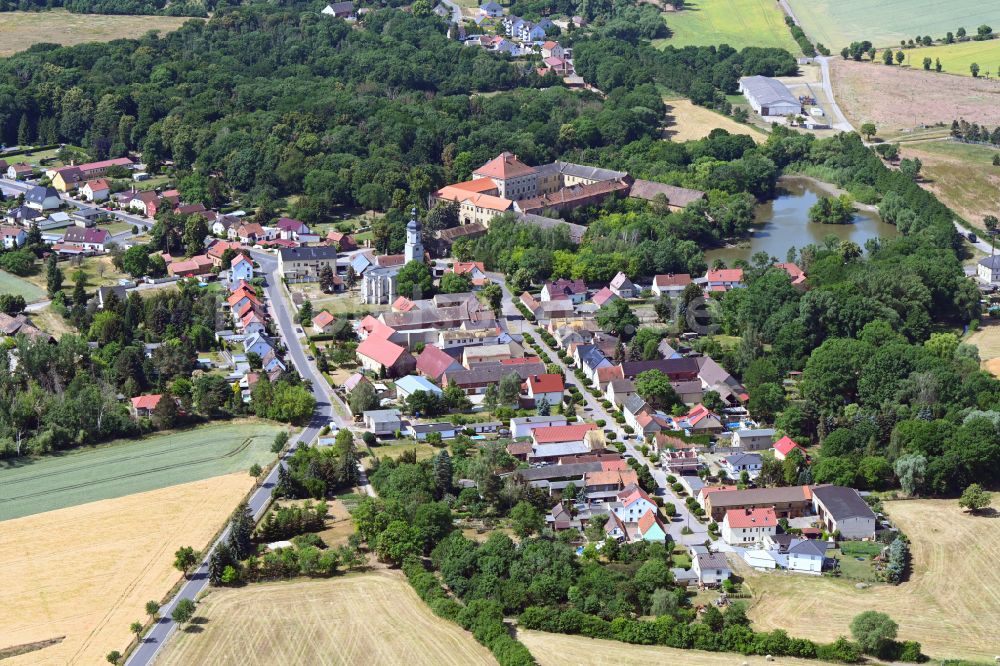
(972, 237)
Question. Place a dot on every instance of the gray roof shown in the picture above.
(633, 404)
(843, 502)
(808, 547)
(712, 561)
(310, 253)
(676, 196)
(493, 373)
(767, 91)
(744, 459)
(693, 482)
(38, 194)
(576, 231)
(382, 414)
(588, 172)
(558, 471)
(760, 432)
(738, 498)
(532, 420)
(992, 263)
(433, 427)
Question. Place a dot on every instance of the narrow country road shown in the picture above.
(456, 11)
(258, 502)
(16, 187)
(842, 123)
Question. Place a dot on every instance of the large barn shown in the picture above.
(769, 97)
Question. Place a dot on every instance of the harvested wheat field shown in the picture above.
(86, 572)
(987, 339)
(369, 618)
(951, 603)
(19, 30)
(563, 650)
(687, 121)
(898, 99)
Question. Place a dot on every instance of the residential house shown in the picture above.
(476, 271)
(619, 390)
(677, 369)
(605, 484)
(650, 527)
(737, 463)
(988, 269)
(671, 284)
(249, 233)
(382, 356)
(795, 274)
(12, 237)
(344, 241)
(339, 9)
(807, 555)
(680, 462)
(574, 290)
(489, 354)
(146, 203)
(551, 49)
(304, 264)
(562, 434)
(742, 526)
(843, 510)
(223, 223)
(724, 279)
(633, 504)
(407, 386)
(42, 198)
(90, 240)
(491, 9)
(753, 440)
(257, 343)
(240, 270)
(433, 363)
(547, 387)
(785, 446)
(104, 295)
(143, 405)
(623, 287)
(196, 266)
(20, 324)
(700, 419)
(524, 425)
(20, 171)
(711, 568)
(323, 322)
(604, 296)
(96, 190)
(615, 528)
(291, 229)
(271, 362)
(787, 502)
(420, 431)
(382, 422)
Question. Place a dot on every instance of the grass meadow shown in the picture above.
(956, 58)
(20, 30)
(837, 23)
(11, 284)
(738, 23)
(30, 486)
(962, 175)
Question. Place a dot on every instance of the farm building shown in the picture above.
(769, 97)
(842, 509)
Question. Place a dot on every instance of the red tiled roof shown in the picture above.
(743, 518)
(794, 272)
(672, 280)
(520, 361)
(603, 296)
(403, 304)
(648, 520)
(785, 445)
(726, 275)
(480, 185)
(373, 327)
(503, 166)
(96, 185)
(323, 319)
(609, 372)
(432, 362)
(633, 494)
(463, 267)
(146, 401)
(548, 383)
(568, 433)
(219, 247)
(381, 350)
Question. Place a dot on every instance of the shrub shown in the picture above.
(601, 423)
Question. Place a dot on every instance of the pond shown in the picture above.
(784, 223)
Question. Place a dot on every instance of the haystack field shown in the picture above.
(86, 572)
(951, 603)
(563, 650)
(369, 618)
(687, 122)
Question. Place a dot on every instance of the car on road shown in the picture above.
(310, 358)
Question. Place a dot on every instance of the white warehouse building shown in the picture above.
(769, 97)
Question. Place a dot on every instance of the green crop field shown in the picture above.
(11, 284)
(837, 23)
(956, 58)
(123, 468)
(738, 23)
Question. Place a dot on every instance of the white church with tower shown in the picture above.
(378, 285)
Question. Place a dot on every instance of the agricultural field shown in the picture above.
(900, 100)
(739, 23)
(12, 284)
(837, 23)
(370, 618)
(84, 573)
(122, 468)
(956, 58)
(962, 175)
(687, 121)
(563, 650)
(946, 597)
(987, 339)
(19, 30)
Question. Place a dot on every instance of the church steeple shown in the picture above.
(414, 249)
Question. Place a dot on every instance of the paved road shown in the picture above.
(15, 187)
(325, 413)
(456, 11)
(842, 123)
(981, 244)
(594, 410)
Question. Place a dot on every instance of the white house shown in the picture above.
(240, 270)
(760, 558)
(96, 190)
(988, 269)
(634, 504)
(407, 386)
(711, 568)
(491, 9)
(42, 198)
(12, 236)
(623, 287)
(753, 440)
(736, 464)
(741, 526)
(807, 555)
(548, 387)
(523, 426)
(671, 284)
(724, 279)
(382, 422)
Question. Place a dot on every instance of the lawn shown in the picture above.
(837, 23)
(100, 272)
(51, 322)
(398, 448)
(951, 603)
(29, 486)
(739, 23)
(956, 58)
(564, 650)
(370, 618)
(86, 572)
(11, 284)
(901, 101)
(687, 122)
(19, 30)
(962, 175)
